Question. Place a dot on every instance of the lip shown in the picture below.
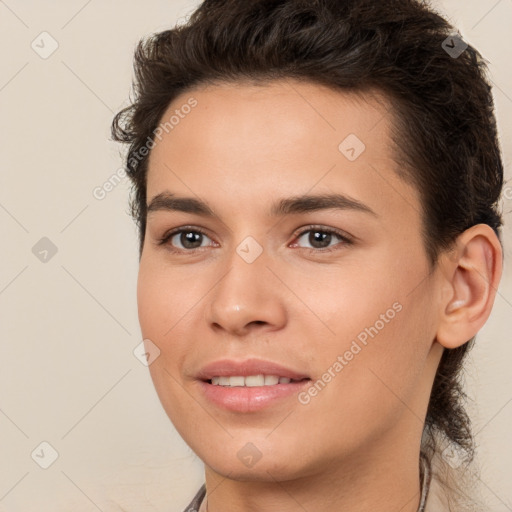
(249, 399)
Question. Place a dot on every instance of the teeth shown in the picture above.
(254, 380)
(236, 381)
(250, 380)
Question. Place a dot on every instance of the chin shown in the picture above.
(248, 464)
(260, 472)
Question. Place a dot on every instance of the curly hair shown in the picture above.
(445, 136)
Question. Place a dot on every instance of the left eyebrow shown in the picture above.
(311, 203)
(292, 205)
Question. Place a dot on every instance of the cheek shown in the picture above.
(162, 311)
(375, 382)
(164, 297)
(382, 327)
(350, 300)
(163, 320)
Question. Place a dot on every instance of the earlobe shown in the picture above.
(471, 275)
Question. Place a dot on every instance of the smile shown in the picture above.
(250, 380)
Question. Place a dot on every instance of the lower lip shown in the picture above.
(249, 399)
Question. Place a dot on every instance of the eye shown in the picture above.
(320, 238)
(189, 239)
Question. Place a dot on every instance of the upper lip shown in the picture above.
(228, 367)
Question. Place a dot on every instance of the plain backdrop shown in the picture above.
(69, 377)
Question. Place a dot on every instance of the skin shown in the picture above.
(354, 446)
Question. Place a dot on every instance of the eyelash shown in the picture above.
(345, 239)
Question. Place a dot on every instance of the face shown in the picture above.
(280, 244)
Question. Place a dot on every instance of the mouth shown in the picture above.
(251, 381)
(250, 385)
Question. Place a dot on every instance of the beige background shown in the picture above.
(68, 375)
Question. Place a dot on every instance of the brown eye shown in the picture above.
(189, 239)
(321, 239)
(184, 240)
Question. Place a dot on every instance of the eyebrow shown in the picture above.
(291, 205)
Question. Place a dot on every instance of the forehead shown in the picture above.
(246, 141)
(282, 113)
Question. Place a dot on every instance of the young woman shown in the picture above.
(316, 186)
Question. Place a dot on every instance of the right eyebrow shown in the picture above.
(168, 202)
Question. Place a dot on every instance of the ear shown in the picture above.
(471, 275)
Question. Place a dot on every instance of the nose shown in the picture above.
(247, 298)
